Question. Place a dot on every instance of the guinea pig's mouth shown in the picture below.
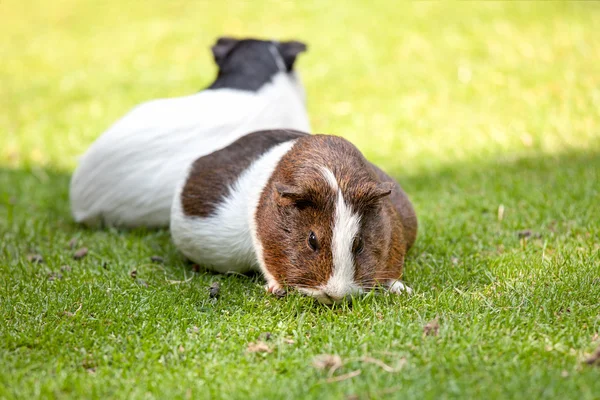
(322, 297)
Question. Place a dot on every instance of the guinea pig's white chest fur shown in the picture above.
(224, 238)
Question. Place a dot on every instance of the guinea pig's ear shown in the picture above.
(383, 189)
(376, 191)
(288, 195)
(222, 47)
(289, 51)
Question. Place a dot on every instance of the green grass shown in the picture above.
(472, 106)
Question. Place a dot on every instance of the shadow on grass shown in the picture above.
(470, 216)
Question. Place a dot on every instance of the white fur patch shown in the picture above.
(346, 225)
(129, 175)
(226, 241)
(317, 294)
(398, 287)
(329, 177)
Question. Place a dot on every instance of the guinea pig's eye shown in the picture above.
(358, 245)
(313, 243)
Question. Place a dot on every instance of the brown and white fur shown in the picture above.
(308, 211)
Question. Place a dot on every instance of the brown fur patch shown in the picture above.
(403, 207)
(211, 176)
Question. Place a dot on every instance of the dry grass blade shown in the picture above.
(500, 212)
(72, 314)
(35, 258)
(344, 377)
(73, 243)
(79, 254)
(432, 327)
(329, 362)
(141, 282)
(594, 359)
(383, 365)
(172, 282)
(258, 347)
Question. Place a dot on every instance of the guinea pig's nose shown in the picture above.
(336, 298)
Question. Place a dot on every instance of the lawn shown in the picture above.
(487, 113)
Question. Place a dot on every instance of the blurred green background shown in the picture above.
(488, 113)
(415, 85)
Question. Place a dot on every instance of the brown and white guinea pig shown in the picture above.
(308, 211)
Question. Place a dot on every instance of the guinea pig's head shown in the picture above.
(325, 223)
(248, 64)
(247, 55)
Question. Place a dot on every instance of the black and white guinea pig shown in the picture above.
(308, 211)
(129, 174)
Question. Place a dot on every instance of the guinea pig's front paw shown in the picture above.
(398, 287)
(275, 289)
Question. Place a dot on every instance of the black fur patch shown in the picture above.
(249, 64)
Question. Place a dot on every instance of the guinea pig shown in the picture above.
(128, 176)
(307, 211)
